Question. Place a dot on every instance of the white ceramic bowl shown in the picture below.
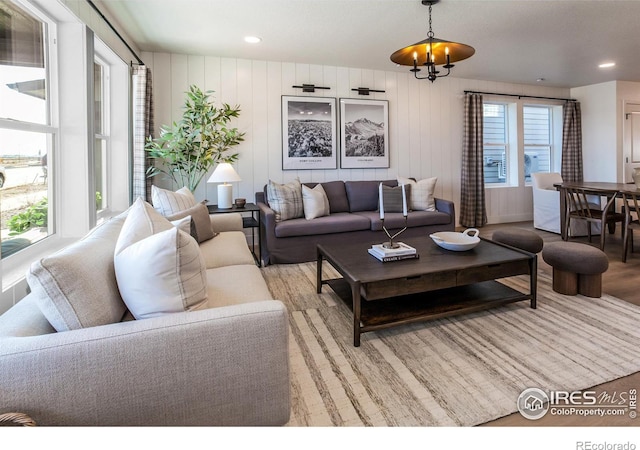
(457, 242)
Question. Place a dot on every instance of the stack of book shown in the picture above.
(403, 251)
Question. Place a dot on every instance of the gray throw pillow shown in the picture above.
(286, 199)
(200, 221)
(76, 287)
(392, 198)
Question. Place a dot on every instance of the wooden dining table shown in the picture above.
(604, 189)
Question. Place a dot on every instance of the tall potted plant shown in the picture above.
(187, 150)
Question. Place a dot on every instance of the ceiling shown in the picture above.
(517, 41)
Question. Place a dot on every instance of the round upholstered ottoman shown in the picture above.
(526, 240)
(577, 268)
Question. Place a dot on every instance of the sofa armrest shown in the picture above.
(221, 366)
(226, 222)
(267, 230)
(446, 206)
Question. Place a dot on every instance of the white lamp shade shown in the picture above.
(224, 173)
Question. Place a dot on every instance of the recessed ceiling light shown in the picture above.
(540, 80)
(605, 65)
(252, 39)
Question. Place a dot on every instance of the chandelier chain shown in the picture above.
(430, 33)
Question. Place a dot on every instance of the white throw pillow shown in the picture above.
(285, 199)
(315, 202)
(142, 221)
(421, 193)
(162, 274)
(159, 268)
(168, 202)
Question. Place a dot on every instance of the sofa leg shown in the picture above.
(590, 285)
(565, 282)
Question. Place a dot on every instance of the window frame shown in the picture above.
(12, 267)
(515, 154)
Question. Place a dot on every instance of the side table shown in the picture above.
(252, 222)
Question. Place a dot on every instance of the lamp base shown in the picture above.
(225, 194)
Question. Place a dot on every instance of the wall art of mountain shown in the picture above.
(364, 138)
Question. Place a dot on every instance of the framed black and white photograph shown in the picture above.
(309, 133)
(364, 134)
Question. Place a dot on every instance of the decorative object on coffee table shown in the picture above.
(240, 202)
(224, 174)
(457, 242)
(390, 244)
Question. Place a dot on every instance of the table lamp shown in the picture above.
(224, 174)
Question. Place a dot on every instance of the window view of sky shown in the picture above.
(21, 106)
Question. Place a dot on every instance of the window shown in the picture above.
(495, 143)
(520, 139)
(101, 131)
(537, 139)
(26, 133)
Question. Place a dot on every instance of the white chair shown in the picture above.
(546, 206)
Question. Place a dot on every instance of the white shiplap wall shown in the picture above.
(425, 120)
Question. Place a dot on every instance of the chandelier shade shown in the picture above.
(432, 52)
(457, 52)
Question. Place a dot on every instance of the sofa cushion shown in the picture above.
(76, 287)
(392, 198)
(168, 202)
(200, 221)
(335, 223)
(363, 195)
(414, 219)
(159, 268)
(285, 199)
(227, 249)
(315, 202)
(421, 193)
(232, 285)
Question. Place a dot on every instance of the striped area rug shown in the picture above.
(459, 371)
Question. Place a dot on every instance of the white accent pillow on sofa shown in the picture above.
(315, 202)
(159, 268)
(421, 193)
(168, 202)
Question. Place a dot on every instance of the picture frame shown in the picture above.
(309, 133)
(364, 134)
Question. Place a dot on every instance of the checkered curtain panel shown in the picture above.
(142, 128)
(572, 142)
(473, 211)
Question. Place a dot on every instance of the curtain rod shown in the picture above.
(95, 8)
(522, 96)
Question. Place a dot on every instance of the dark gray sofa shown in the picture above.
(354, 218)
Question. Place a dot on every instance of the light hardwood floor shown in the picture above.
(621, 281)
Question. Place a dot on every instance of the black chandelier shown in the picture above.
(432, 52)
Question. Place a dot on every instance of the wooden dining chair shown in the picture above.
(579, 208)
(630, 207)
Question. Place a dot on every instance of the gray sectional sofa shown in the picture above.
(354, 218)
(226, 365)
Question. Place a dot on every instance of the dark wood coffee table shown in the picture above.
(440, 283)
